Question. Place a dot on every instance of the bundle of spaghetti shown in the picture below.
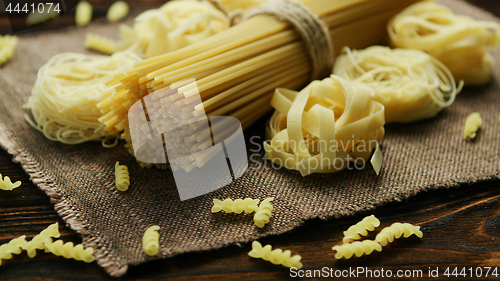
(411, 84)
(174, 25)
(64, 99)
(460, 42)
(324, 126)
(238, 69)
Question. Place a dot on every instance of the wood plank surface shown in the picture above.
(460, 226)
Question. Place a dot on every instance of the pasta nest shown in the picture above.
(411, 84)
(460, 42)
(68, 87)
(324, 126)
(277, 256)
(174, 25)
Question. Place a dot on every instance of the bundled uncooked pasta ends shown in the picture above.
(150, 241)
(472, 124)
(6, 183)
(324, 127)
(459, 42)
(277, 256)
(412, 85)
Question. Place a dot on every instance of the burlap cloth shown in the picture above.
(80, 179)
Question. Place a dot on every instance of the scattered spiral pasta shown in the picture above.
(38, 242)
(150, 241)
(100, 44)
(411, 84)
(8, 45)
(64, 99)
(35, 17)
(360, 229)
(395, 231)
(324, 127)
(6, 183)
(237, 206)
(460, 42)
(472, 124)
(69, 250)
(263, 213)
(83, 13)
(277, 256)
(14, 246)
(117, 11)
(122, 178)
(357, 248)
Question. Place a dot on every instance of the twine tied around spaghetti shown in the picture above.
(312, 29)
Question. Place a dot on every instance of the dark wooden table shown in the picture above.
(461, 230)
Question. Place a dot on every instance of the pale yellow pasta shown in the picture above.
(117, 11)
(395, 231)
(38, 18)
(360, 229)
(14, 246)
(460, 42)
(357, 248)
(122, 178)
(411, 84)
(237, 206)
(472, 124)
(377, 159)
(324, 127)
(69, 250)
(6, 183)
(277, 256)
(38, 242)
(100, 44)
(237, 5)
(83, 13)
(150, 241)
(8, 45)
(64, 99)
(263, 213)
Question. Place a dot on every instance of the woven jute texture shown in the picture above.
(80, 179)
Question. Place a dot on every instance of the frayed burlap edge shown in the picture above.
(111, 263)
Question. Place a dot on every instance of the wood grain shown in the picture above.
(460, 226)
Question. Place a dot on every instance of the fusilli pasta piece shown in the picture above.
(360, 229)
(122, 177)
(38, 242)
(357, 248)
(83, 13)
(117, 11)
(100, 44)
(263, 213)
(472, 124)
(6, 183)
(237, 206)
(277, 256)
(150, 241)
(69, 250)
(395, 231)
(14, 246)
(8, 45)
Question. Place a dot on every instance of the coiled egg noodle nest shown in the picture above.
(460, 42)
(64, 99)
(324, 127)
(411, 84)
